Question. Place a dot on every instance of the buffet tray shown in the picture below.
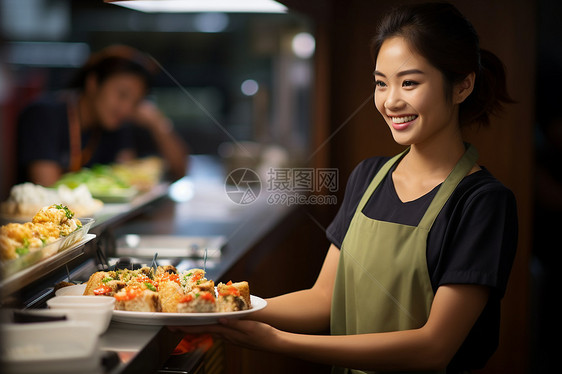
(34, 272)
(168, 246)
(36, 255)
(35, 264)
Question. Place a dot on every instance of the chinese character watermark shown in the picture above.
(285, 186)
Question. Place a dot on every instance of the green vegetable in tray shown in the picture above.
(68, 213)
(101, 180)
(23, 249)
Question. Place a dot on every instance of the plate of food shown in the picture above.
(162, 296)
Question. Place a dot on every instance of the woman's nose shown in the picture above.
(393, 100)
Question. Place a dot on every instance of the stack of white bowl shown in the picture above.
(67, 346)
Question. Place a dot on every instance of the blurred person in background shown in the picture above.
(93, 121)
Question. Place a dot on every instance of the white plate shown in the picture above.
(170, 319)
(184, 319)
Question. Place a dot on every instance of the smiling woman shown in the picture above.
(423, 243)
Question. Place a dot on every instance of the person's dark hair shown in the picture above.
(442, 35)
(112, 60)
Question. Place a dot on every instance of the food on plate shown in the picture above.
(192, 278)
(198, 302)
(233, 296)
(165, 290)
(135, 298)
(160, 270)
(49, 224)
(170, 294)
(27, 198)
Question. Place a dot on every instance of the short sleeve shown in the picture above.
(482, 247)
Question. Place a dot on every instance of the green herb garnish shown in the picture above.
(22, 250)
(150, 286)
(69, 214)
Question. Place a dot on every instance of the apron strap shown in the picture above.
(378, 179)
(461, 169)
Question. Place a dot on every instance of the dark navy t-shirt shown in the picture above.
(43, 134)
(472, 241)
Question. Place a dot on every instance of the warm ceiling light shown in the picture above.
(177, 6)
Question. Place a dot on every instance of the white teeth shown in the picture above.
(403, 119)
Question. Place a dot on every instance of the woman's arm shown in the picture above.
(44, 172)
(306, 311)
(454, 311)
(171, 147)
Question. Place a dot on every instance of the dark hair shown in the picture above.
(442, 35)
(115, 59)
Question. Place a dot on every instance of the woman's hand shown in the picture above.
(245, 333)
(148, 115)
(170, 145)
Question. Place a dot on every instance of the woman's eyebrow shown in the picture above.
(400, 73)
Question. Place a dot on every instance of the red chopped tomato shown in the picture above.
(141, 278)
(207, 296)
(167, 277)
(197, 277)
(230, 290)
(186, 299)
(128, 293)
(102, 290)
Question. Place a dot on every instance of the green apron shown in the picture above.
(382, 282)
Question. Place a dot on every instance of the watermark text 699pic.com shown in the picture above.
(286, 186)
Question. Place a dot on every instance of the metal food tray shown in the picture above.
(36, 263)
(168, 246)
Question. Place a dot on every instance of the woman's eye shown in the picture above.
(379, 84)
(409, 84)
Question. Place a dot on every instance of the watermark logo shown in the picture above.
(285, 186)
(243, 186)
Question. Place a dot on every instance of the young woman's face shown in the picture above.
(410, 95)
(116, 98)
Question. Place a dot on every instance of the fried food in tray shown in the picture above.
(166, 290)
(48, 225)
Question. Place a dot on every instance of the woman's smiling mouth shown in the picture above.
(403, 119)
(402, 122)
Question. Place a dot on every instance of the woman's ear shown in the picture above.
(464, 88)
